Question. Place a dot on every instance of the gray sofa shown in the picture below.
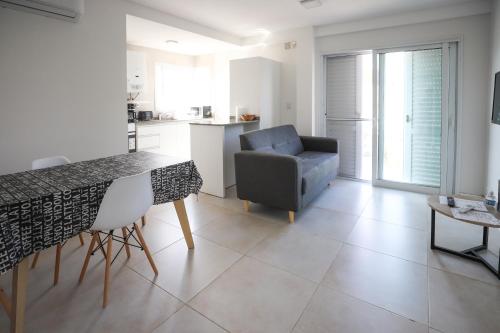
(281, 169)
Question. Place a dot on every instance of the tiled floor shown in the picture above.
(356, 260)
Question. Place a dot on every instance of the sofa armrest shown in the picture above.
(317, 143)
(271, 179)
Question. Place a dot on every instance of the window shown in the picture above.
(178, 88)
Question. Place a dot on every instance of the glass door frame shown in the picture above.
(449, 107)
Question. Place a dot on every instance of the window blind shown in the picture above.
(426, 117)
(345, 76)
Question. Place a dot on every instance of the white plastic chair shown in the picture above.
(48, 162)
(43, 163)
(126, 200)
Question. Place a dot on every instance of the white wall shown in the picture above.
(473, 32)
(493, 169)
(63, 85)
(493, 166)
(296, 74)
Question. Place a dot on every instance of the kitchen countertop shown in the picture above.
(229, 122)
(156, 122)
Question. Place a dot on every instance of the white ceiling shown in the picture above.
(245, 17)
(150, 34)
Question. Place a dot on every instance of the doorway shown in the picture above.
(393, 112)
(415, 131)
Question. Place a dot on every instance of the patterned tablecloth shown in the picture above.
(42, 208)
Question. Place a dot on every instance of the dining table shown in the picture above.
(45, 207)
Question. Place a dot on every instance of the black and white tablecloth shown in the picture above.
(42, 208)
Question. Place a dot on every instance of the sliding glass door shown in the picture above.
(349, 89)
(416, 110)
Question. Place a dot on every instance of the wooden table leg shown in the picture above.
(5, 301)
(180, 208)
(19, 284)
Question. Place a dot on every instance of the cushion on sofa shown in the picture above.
(281, 140)
(317, 168)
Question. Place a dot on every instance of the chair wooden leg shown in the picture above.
(107, 272)
(246, 205)
(143, 220)
(58, 263)
(146, 249)
(291, 216)
(180, 209)
(127, 247)
(87, 258)
(82, 243)
(35, 259)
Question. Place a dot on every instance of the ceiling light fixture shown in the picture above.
(308, 4)
(171, 41)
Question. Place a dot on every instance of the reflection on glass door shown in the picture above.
(410, 114)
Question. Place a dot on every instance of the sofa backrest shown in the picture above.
(281, 140)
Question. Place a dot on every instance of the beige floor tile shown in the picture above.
(457, 235)
(237, 231)
(397, 285)
(158, 234)
(331, 311)
(400, 241)
(459, 304)
(183, 272)
(187, 320)
(268, 213)
(387, 193)
(255, 297)
(454, 264)
(345, 196)
(326, 223)
(308, 256)
(363, 289)
(408, 209)
(69, 307)
(230, 202)
(199, 213)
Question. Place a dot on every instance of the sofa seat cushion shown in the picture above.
(317, 167)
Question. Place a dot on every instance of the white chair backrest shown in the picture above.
(126, 200)
(48, 162)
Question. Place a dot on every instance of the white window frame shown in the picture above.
(449, 121)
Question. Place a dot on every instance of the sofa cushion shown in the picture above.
(317, 167)
(281, 140)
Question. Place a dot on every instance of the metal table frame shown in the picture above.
(472, 253)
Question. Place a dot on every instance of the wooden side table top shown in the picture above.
(433, 202)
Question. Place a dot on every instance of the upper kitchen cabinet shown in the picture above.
(255, 89)
(136, 71)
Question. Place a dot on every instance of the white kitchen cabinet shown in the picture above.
(167, 138)
(255, 87)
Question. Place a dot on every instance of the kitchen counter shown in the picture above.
(213, 145)
(230, 122)
(156, 122)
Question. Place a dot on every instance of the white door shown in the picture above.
(415, 137)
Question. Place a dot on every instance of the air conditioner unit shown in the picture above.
(68, 10)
